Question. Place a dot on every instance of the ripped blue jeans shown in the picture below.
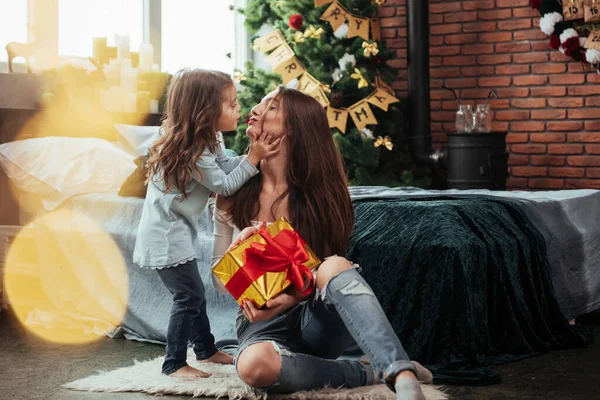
(312, 335)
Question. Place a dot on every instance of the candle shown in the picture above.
(146, 55)
(130, 103)
(144, 68)
(105, 100)
(116, 96)
(99, 49)
(113, 72)
(126, 62)
(122, 44)
(154, 106)
(112, 99)
(143, 102)
(129, 79)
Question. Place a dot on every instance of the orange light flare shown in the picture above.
(66, 279)
(70, 105)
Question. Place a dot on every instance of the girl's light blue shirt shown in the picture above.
(169, 225)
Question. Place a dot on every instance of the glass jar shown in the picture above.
(483, 118)
(464, 119)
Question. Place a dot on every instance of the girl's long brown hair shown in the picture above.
(189, 127)
(319, 202)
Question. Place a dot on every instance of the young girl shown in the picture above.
(185, 166)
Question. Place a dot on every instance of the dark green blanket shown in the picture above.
(464, 282)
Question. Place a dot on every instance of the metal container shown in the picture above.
(477, 160)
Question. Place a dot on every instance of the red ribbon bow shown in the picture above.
(283, 253)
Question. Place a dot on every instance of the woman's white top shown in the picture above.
(225, 232)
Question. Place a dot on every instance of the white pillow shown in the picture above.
(137, 139)
(57, 168)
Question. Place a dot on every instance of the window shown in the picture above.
(81, 20)
(184, 33)
(197, 34)
(13, 24)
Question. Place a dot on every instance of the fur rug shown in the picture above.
(224, 383)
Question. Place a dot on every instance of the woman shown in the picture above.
(292, 343)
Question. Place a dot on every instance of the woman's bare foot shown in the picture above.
(408, 387)
(220, 358)
(423, 374)
(189, 372)
(406, 374)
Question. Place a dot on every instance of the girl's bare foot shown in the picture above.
(189, 372)
(220, 358)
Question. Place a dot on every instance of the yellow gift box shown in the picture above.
(266, 263)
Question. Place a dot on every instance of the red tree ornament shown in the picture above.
(296, 21)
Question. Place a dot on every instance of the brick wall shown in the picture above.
(549, 106)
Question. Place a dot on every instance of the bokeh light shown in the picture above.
(66, 279)
(72, 112)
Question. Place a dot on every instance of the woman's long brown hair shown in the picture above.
(320, 208)
(189, 126)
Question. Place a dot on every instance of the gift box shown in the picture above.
(266, 263)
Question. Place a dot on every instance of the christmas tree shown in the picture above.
(333, 51)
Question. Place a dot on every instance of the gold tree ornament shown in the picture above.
(313, 33)
(362, 82)
(379, 2)
(384, 141)
(370, 49)
(299, 37)
(239, 76)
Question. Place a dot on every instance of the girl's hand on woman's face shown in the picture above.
(245, 234)
(263, 145)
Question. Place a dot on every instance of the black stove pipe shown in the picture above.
(419, 137)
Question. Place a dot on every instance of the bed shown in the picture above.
(560, 228)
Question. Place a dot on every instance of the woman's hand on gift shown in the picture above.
(245, 234)
(293, 291)
(276, 305)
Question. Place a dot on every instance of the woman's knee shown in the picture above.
(259, 365)
(330, 268)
